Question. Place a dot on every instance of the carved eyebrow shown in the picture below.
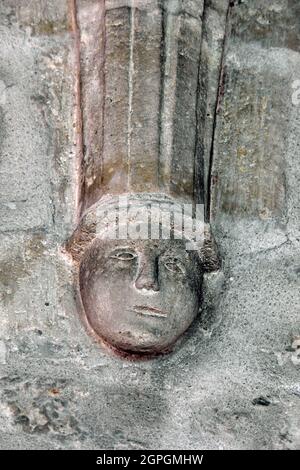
(174, 259)
(166, 256)
(123, 251)
(123, 248)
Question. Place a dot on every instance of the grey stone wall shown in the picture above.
(233, 382)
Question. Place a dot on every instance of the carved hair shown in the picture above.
(92, 226)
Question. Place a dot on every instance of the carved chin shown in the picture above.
(143, 336)
(138, 342)
(139, 332)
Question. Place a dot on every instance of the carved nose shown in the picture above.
(147, 277)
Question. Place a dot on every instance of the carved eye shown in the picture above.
(123, 255)
(174, 265)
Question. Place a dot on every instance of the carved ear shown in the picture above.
(213, 282)
(209, 253)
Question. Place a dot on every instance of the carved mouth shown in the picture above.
(149, 311)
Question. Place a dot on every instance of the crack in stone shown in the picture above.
(78, 105)
(130, 91)
(217, 107)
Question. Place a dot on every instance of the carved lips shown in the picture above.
(149, 311)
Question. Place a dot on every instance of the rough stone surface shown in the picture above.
(233, 382)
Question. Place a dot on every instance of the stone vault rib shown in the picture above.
(139, 65)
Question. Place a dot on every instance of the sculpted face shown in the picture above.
(140, 296)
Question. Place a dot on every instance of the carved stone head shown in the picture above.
(139, 133)
(140, 295)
